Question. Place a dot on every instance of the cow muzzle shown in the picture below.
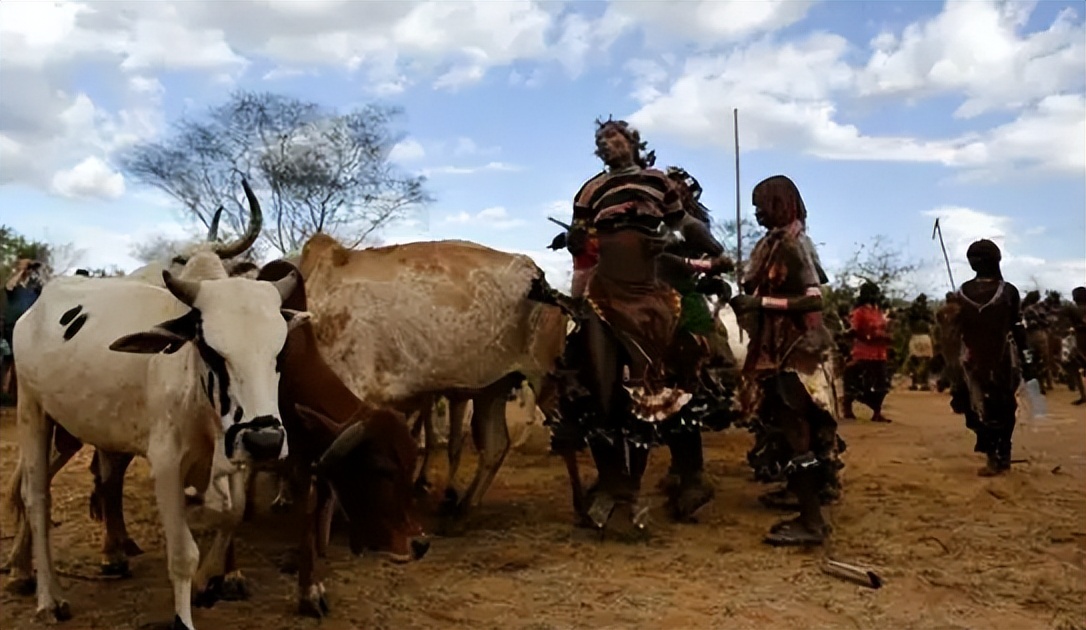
(263, 438)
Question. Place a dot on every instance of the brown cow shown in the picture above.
(365, 455)
(406, 322)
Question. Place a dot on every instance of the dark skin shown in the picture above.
(614, 148)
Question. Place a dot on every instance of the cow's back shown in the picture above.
(63, 355)
(395, 321)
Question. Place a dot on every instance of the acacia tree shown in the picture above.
(320, 170)
(883, 262)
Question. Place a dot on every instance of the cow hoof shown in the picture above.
(131, 549)
(59, 611)
(314, 603)
(115, 568)
(451, 503)
(235, 588)
(419, 547)
(24, 586)
(210, 594)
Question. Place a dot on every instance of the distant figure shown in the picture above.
(1076, 314)
(1036, 318)
(989, 325)
(21, 291)
(866, 378)
(919, 319)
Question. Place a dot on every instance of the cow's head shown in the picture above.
(370, 461)
(238, 327)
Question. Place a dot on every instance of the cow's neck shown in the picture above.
(316, 386)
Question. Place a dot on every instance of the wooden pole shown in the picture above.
(738, 218)
(938, 229)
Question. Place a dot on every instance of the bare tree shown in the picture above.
(321, 171)
(883, 262)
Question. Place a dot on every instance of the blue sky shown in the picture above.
(886, 114)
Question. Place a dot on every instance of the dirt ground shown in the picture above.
(955, 550)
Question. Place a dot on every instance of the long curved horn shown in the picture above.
(344, 443)
(213, 231)
(184, 290)
(287, 285)
(256, 223)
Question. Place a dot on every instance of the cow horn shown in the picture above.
(344, 443)
(287, 285)
(256, 223)
(213, 230)
(184, 290)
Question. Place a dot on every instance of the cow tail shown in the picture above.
(541, 291)
(14, 505)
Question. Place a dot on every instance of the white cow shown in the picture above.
(163, 373)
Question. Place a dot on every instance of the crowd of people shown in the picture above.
(642, 353)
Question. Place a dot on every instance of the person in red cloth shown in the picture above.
(866, 376)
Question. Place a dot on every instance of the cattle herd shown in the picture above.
(212, 369)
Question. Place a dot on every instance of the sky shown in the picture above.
(887, 115)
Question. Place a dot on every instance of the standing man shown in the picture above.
(919, 319)
(989, 325)
(788, 345)
(866, 377)
(620, 352)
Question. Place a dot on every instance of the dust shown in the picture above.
(954, 550)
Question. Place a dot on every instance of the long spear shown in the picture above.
(738, 220)
(938, 229)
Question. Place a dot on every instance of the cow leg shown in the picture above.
(491, 436)
(312, 601)
(426, 419)
(20, 561)
(213, 581)
(182, 553)
(35, 431)
(108, 500)
(458, 411)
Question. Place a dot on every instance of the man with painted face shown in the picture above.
(993, 339)
(624, 342)
(788, 345)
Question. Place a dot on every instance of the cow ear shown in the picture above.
(295, 318)
(167, 337)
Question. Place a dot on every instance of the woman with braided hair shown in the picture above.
(787, 350)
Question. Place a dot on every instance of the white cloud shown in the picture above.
(708, 21)
(409, 150)
(91, 178)
(787, 94)
(472, 170)
(975, 48)
(962, 226)
(494, 218)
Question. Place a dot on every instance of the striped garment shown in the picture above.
(646, 191)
